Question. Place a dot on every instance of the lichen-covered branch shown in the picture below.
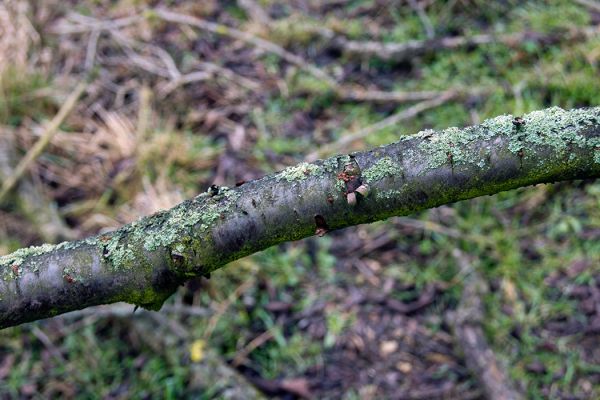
(144, 262)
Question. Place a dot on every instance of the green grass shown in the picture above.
(21, 96)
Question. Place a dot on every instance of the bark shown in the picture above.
(144, 262)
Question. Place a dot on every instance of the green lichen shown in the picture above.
(120, 255)
(200, 213)
(146, 297)
(298, 172)
(553, 127)
(388, 194)
(335, 164)
(500, 125)
(381, 169)
(18, 257)
(179, 248)
(595, 144)
(124, 248)
(452, 146)
(11, 264)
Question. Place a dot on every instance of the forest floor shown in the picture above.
(175, 104)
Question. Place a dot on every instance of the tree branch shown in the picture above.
(144, 262)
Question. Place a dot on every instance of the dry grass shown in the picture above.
(16, 35)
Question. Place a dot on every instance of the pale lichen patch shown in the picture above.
(553, 127)
(166, 228)
(298, 172)
(500, 125)
(595, 144)
(330, 164)
(382, 168)
(10, 265)
(18, 257)
(424, 134)
(452, 146)
(181, 219)
(121, 256)
(388, 194)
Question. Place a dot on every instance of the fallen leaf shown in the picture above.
(197, 350)
(388, 347)
(404, 367)
(298, 386)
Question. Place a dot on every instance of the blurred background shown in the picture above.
(179, 95)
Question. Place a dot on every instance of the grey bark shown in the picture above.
(144, 262)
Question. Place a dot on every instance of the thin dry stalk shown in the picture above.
(144, 115)
(411, 48)
(427, 25)
(404, 115)
(380, 96)
(255, 11)
(16, 35)
(87, 24)
(44, 140)
(253, 345)
(246, 37)
(223, 306)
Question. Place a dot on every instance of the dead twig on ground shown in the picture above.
(157, 61)
(411, 48)
(246, 37)
(419, 9)
(255, 11)
(85, 24)
(345, 93)
(92, 49)
(466, 322)
(591, 4)
(381, 96)
(144, 115)
(392, 120)
(255, 343)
